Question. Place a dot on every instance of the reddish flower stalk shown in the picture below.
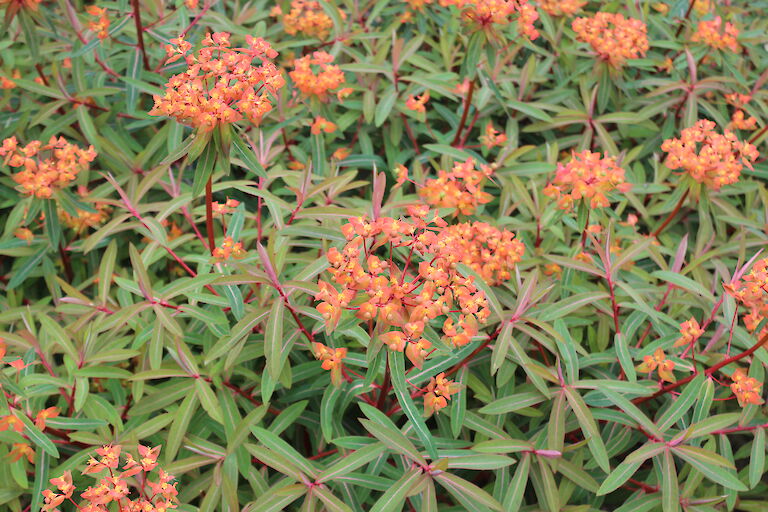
(658, 230)
(463, 121)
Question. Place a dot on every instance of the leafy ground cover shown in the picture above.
(379, 256)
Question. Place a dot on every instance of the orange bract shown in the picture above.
(614, 37)
(717, 35)
(488, 12)
(45, 168)
(221, 84)
(586, 176)
(492, 136)
(101, 24)
(327, 77)
(332, 359)
(708, 157)
(690, 331)
(460, 188)
(417, 103)
(321, 125)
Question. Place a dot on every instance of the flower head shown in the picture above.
(229, 249)
(561, 7)
(306, 17)
(100, 24)
(492, 137)
(439, 391)
(746, 389)
(9, 422)
(316, 75)
(613, 37)
(717, 35)
(332, 359)
(321, 125)
(222, 84)
(586, 176)
(485, 13)
(45, 168)
(21, 450)
(707, 156)
(417, 103)
(751, 291)
(460, 188)
(45, 414)
(690, 331)
(658, 361)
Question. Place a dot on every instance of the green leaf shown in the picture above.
(204, 168)
(618, 477)
(514, 496)
(707, 463)
(670, 500)
(179, 427)
(513, 403)
(351, 462)
(589, 428)
(392, 500)
(277, 445)
(37, 437)
(468, 493)
(273, 339)
(384, 107)
(42, 463)
(686, 283)
(757, 459)
(632, 410)
(29, 264)
(397, 370)
(681, 404)
(246, 155)
(394, 439)
(530, 110)
(208, 400)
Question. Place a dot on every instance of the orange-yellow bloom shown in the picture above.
(717, 35)
(613, 37)
(321, 125)
(460, 188)
(10, 421)
(222, 84)
(308, 18)
(45, 414)
(708, 157)
(101, 24)
(658, 361)
(492, 137)
(439, 391)
(317, 81)
(229, 249)
(586, 176)
(561, 7)
(332, 359)
(690, 331)
(417, 103)
(20, 450)
(746, 389)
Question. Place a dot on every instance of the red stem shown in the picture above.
(463, 121)
(209, 215)
(139, 32)
(671, 215)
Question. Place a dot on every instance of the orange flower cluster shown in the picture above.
(101, 24)
(716, 35)
(586, 176)
(612, 36)
(561, 7)
(229, 249)
(321, 125)
(326, 77)
(13, 6)
(7, 83)
(150, 496)
(332, 359)
(306, 17)
(418, 5)
(746, 389)
(489, 251)
(85, 219)
(45, 168)
(439, 391)
(417, 103)
(461, 188)
(401, 298)
(488, 12)
(221, 84)
(690, 331)
(226, 207)
(752, 292)
(492, 137)
(739, 121)
(658, 361)
(707, 156)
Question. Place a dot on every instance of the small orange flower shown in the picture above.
(221, 85)
(21, 450)
(343, 93)
(24, 234)
(321, 124)
(551, 269)
(191, 4)
(708, 157)
(586, 176)
(492, 137)
(716, 35)
(613, 37)
(10, 421)
(746, 389)
(739, 122)
(341, 153)
(487, 12)
(752, 292)
(439, 391)
(332, 359)
(101, 24)
(417, 103)
(658, 361)
(45, 414)
(226, 207)
(690, 331)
